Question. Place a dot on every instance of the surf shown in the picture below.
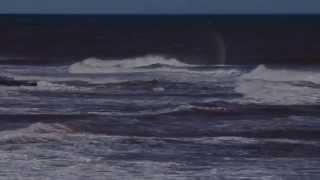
(35, 133)
(95, 65)
(284, 86)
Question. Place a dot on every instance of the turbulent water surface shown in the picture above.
(153, 117)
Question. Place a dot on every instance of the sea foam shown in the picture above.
(283, 75)
(55, 87)
(35, 133)
(279, 86)
(96, 66)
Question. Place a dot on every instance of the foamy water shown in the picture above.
(154, 117)
(96, 66)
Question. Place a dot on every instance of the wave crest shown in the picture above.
(282, 75)
(35, 133)
(279, 86)
(94, 65)
(54, 87)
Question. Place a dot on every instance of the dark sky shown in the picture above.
(160, 6)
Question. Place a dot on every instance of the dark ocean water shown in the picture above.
(83, 101)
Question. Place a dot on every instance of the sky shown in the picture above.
(161, 6)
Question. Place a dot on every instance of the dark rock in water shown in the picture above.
(6, 81)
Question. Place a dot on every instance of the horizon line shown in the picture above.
(168, 14)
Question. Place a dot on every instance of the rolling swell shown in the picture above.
(177, 113)
(149, 63)
(96, 66)
(291, 128)
(278, 85)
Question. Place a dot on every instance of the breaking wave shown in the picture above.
(280, 86)
(45, 132)
(35, 133)
(96, 66)
(282, 75)
(44, 85)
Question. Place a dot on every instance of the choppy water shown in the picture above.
(153, 117)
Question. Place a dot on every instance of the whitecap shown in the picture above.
(278, 86)
(35, 133)
(49, 86)
(96, 66)
(282, 75)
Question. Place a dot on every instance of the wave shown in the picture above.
(282, 75)
(49, 86)
(279, 86)
(205, 140)
(18, 110)
(69, 79)
(277, 93)
(162, 74)
(91, 72)
(146, 112)
(40, 86)
(96, 66)
(44, 85)
(35, 133)
(148, 63)
(184, 108)
(221, 108)
(52, 132)
(245, 140)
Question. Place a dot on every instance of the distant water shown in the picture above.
(155, 117)
(193, 39)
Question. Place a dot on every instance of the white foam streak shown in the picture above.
(49, 86)
(147, 112)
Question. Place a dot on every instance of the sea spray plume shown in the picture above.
(220, 47)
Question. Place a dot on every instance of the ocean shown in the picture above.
(90, 98)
